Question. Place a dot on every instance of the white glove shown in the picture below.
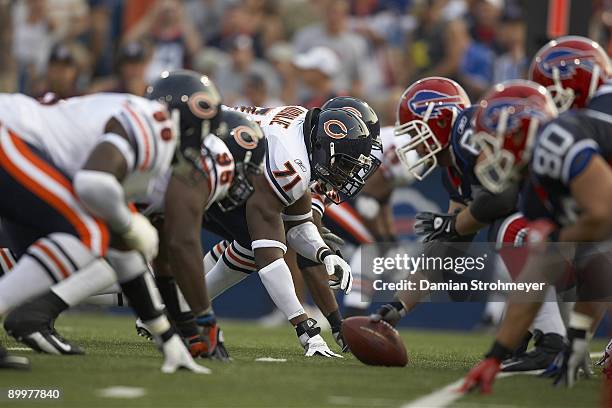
(316, 346)
(142, 236)
(336, 266)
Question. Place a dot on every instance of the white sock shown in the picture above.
(276, 277)
(548, 319)
(26, 280)
(221, 277)
(87, 282)
(359, 297)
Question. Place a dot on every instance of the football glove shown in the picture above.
(482, 376)
(573, 359)
(337, 267)
(310, 338)
(390, 313)
(436, 226)
(142, 236)
(339, 338)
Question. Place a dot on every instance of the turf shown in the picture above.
(117, 357)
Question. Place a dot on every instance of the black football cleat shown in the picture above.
(32, 325)
(547, 346)
(8, 361)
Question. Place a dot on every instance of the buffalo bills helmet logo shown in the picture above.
(564, 59)
(516, 108)
(419, 103)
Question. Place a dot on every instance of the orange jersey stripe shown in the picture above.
(147, 153)
(240, 261)
(6, 259)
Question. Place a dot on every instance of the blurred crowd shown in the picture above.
(266, 52)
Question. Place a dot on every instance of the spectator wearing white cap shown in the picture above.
(334, 33)
(317, 68)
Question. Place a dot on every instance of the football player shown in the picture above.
(567, 198)
(103, 150)
(227, 161)
(471, 207)
(331, 147)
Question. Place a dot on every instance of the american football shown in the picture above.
(305, 203)
(374, 343)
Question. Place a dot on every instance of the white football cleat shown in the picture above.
(177, 357)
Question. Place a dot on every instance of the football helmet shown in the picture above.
(339, 148)
(194, 105)
(364, 112)
(426, 112)
(245, 141)
(506, 122)
(571, 68)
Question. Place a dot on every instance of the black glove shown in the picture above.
(390, 313)
(436, 226)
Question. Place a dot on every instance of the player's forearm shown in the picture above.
(188, 270)
(518, 319)
(315, 278)
(589, 228)
(466, 224)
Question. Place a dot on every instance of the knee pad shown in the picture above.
(127, 264)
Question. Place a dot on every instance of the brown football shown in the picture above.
(374, 343)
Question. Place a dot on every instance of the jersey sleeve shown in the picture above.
(287, 174)
(219, 166)
(149, 132)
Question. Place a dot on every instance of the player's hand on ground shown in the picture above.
(574, 360)
(338, 268)
(606, 360)
(387, 313)
(482, 376)
(435, 226)
(142, 236)
(316, 346)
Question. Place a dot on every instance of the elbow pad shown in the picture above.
(104, 197)
(306, 241)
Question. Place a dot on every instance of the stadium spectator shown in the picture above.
(230, 76)
(61, 79)
(131, 62)
(175, 40)
(255, 93)
(318, 68)
(333, 32)
(436, 47)
(513, 63)
(33, 37)
(280, 56)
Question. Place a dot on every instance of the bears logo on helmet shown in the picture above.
(246, 137)
(203, 106)
(420, 103)
(343, 131)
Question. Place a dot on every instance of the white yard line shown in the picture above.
(19, 349)
(448, 394)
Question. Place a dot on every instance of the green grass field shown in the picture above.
(117, 357)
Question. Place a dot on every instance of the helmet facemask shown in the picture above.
(241, 188)
(562, 97)
(497, 168)
(344, 176)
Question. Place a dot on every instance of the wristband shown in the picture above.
(499, 352)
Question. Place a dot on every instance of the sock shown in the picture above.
(335, 320)
(184, 320)
(548, 319)
(26, 280)
(85, 283)
(359, 298)
(139, 294)
(221, 277)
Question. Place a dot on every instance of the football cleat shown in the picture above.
(547, 346)
(37, 331)
(176, 357)
(13, 362)
(142, 330)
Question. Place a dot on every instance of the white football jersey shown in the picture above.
(69, 130)
(391, 166)
(287, 167)
(218, 164)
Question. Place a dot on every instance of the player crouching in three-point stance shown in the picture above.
(117, 148)
(567, 197)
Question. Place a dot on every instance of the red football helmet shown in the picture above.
(426, 112)
(571, 68)
(506, 122)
